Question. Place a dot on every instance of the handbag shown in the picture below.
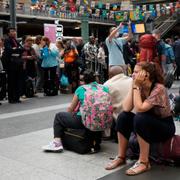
(64, 80)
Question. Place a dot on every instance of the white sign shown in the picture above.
(59, 29)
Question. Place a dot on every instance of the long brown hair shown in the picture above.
(47, 40)
(154, 70)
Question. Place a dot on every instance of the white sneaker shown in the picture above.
(53, 147)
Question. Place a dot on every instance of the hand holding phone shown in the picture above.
(120, 25)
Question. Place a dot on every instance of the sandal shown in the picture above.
(117, 161)
(135, 169)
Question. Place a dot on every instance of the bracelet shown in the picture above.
(136, 88)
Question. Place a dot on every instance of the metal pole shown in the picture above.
(13, 13)
(85, 28)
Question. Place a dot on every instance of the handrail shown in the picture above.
(167, 25)
(65, 15)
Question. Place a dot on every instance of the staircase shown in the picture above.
(166, 25)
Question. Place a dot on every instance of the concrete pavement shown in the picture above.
(21, 157)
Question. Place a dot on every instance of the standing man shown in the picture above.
(177, 55)
(90, 51)
(12, 54)
(115, 44)
(161, 49)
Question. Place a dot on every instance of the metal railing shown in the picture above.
(167, 25)
(67, 15)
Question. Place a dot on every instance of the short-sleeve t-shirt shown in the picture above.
(160, 101)
(115, 55)
(80, 92)
(161, 49)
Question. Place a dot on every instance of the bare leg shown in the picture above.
(121, 158)
(142, 164)
(122, 145)
(144, 149)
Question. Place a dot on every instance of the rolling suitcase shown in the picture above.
(29, 89)
(3, 85)
(51, 87)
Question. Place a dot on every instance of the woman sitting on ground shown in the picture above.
(152, 122)
(72, 118)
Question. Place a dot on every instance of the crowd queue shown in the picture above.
(131, 71)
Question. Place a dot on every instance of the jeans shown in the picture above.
(65, 120)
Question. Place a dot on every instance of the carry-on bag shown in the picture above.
(81, 141)
(50, 87)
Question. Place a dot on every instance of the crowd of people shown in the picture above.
(136, 71)
(140, 102)
(39, 60)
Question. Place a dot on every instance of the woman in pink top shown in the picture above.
(153, 121)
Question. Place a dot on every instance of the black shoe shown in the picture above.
(14, 102)
(95, 149)
(11, 101)
(18, 101)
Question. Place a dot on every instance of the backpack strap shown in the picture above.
(118, 46)
(89, 87)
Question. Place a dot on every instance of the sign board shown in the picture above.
(50, 32)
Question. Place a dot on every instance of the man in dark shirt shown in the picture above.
(177, 55)
(160, 48)
(12, 56)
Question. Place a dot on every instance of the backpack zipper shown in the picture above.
(68, 133)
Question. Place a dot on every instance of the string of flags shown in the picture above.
(117, 11)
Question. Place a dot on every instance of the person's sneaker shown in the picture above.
(53, 147)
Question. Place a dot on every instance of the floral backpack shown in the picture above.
(97, 109)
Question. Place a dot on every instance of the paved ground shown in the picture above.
(25, 127)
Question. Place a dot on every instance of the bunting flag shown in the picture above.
(89, 10)
(107, 6)
(131, 15)
(137, 13)
(119, 16)
(114, 7)
(158, 9)
(100, 5)
(86, 2)
(73, 8)
(131, 7)
(172, 8)
(144, 8)
(125, 4)
(97, 12)
(93, 4)
(81, 10)
(34, 1)
(104, 13)
(163, 9)
(111, 15)
(78, 2)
